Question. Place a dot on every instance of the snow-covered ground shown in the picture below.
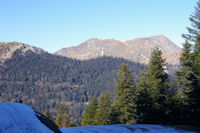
(20, 118)
(121, 128)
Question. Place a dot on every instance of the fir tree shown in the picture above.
(124, 107)
(88, 116)
(144, 102)
(63, 117)
(47, 114)
(190, 71)
(103, 112)
(65, 120)
(185, 75)
(152, 91)
(59, 120)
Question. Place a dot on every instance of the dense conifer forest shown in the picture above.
(45, 80)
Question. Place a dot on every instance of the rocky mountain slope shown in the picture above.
(137, 50)
(8, 48)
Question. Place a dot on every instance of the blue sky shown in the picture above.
(55, 24)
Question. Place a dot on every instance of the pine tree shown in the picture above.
(143, 101)
(47, 114)
(59, 120)
(65, 120)
(185, 75)
(88, 116)
(152, 91)
(63, 117)
(103, 112)
(191, 88)
(124, 106)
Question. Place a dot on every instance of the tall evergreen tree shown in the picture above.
(186, 75)
(63, 117)
(152, 91)
(143, 101)
(88, 116)
(103, 112)
(124, 106)
(47, 114)
(192, 87)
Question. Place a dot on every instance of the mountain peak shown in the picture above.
(151, 37)
(93, 39)
(138, 50)
(159, 36)
(101, 40)
(8, 48)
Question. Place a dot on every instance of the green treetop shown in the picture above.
(103, 112)
(124, 107)
(190, 67)
(47, 114)
(152, 91)
(88, 116)
(63, 117)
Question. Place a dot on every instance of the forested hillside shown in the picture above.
(46, 80)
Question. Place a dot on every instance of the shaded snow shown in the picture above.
(19, 118)
(121, 128)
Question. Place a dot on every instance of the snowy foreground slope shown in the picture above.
(121, 128)
(20, 118)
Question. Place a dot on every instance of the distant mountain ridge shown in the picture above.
(137, 50)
